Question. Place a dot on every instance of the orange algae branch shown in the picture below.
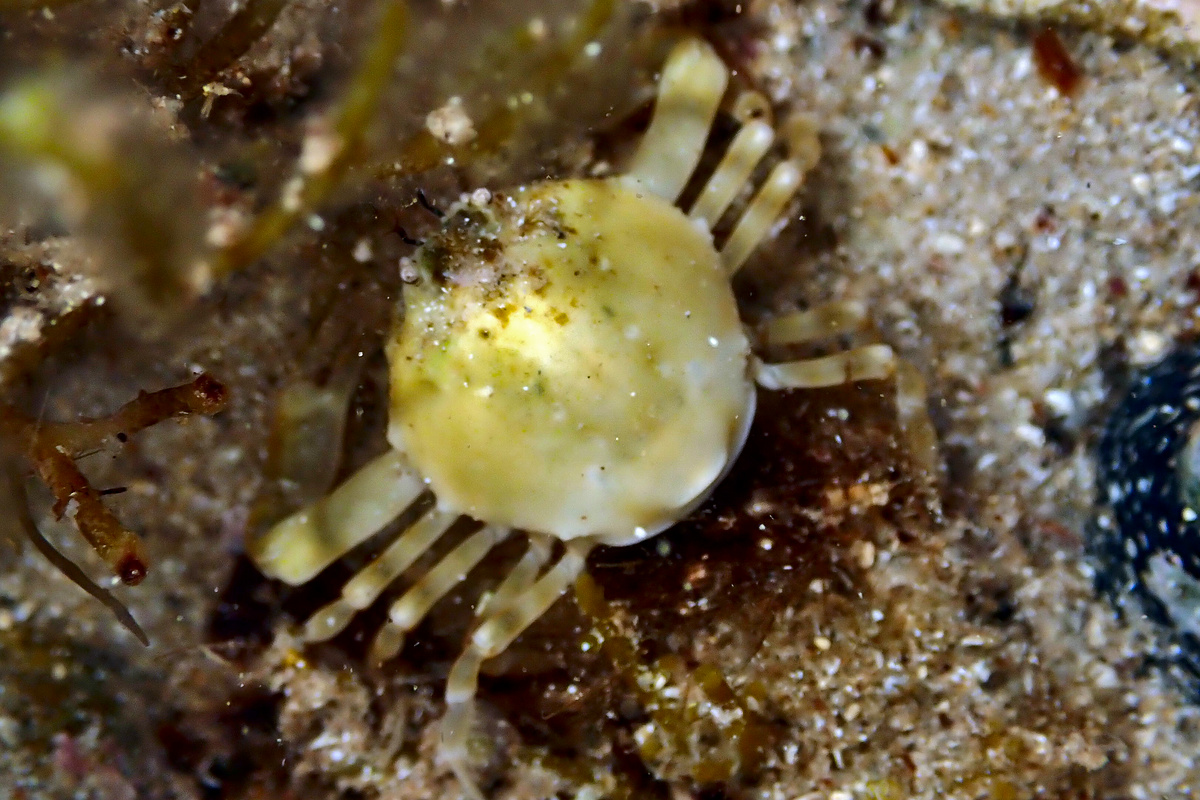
(65, 565)
(52, 448)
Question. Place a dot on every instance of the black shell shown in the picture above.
(1147, 542)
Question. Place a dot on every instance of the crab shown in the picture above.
(569, 363)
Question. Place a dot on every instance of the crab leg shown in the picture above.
(491, 638)
(416, 602)
(836, 319)
(519, 579)
(830, 319)
(366, 586)
(311, 539)
(693, 81)
(913, 415)
(871, 363)
(761, 215)
(747, 149)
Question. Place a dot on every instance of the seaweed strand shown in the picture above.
(229, 44)
(310, 187)
(424, 151)
(65, 565)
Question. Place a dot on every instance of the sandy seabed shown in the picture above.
(1025, 247)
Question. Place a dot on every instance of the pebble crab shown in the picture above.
(569, 362)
